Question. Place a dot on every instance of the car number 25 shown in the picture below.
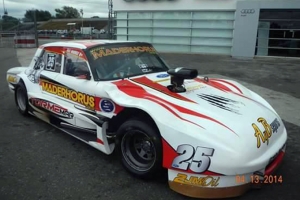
(197, 160)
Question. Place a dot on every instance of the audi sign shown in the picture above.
(248, 11)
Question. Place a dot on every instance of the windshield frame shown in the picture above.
(117, 45)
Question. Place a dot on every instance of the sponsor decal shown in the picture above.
(162, 75)
(222, 102)
(144, 68)
(206, 181)
(12, 79)
(75, 53)
(51, 62)
(107, 105)
(102, 52)
(193, 88)
(78, 97)
(196, 160)
(52, 107)
(266, 134)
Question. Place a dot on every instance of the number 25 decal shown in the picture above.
(197, 160)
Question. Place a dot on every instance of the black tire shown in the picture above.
(21, 98)
(132, 132)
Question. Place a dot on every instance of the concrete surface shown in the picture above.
(40, 162)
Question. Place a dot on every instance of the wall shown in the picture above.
(246, 25)
(199, 26)
(179, 31)
(152, 5)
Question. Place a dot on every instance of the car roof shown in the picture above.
(84, 44)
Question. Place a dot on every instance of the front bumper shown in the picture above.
(221, 186)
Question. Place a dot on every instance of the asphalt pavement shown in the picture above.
(39, 162)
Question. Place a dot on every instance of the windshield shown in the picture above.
(116, 61)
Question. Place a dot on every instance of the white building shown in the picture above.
(241, 28)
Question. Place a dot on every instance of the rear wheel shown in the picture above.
(21, 98)
(141, 148)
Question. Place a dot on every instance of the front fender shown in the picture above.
(13, 76)
(241, 89)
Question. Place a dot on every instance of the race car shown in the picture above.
(215, 137)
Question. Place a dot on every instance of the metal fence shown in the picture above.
(7, 39)
(73, 36)
(17, 39)
(25, 39)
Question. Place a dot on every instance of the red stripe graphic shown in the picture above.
(214, 84)
(231, 84)
(100, 141)
(156, 86)
(134, 90)
(274, 165)
(169, 109)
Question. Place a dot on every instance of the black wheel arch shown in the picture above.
(17, 85)
(129, 113)
(21, 84)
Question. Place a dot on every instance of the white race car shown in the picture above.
(215, 137)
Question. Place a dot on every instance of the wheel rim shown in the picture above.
(21, 99)
(138, 150)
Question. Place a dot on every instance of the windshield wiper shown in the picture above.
(155, 68)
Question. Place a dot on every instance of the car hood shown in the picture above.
(219, 98)
(214, 104)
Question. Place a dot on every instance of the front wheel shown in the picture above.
(141, 148)
(21, 99)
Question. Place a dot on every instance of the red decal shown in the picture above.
(100, 141)
(118, 109)
(170, 110)
(58, 50)
(190, 112)
(138, 92)
(97, 102)
(276, 162)
(252, 100)
(156, 86)
(75, 52)
(231, 84)
(88, 43)
(169, 154)
(214, 84)
(64, 50)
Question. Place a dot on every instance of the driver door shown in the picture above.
(79, 85)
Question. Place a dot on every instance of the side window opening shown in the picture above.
(49, 61)
(75, 65)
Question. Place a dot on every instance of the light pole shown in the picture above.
(35, 28)
(5, 11)
(81, 11)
